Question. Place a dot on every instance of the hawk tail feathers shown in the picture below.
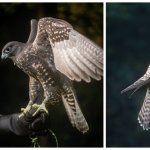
(73, 111)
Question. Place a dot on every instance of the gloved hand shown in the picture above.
(25, 125)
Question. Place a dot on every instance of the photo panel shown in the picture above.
(127, 42)
(63, 51)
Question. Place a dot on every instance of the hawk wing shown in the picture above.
(144, 114)
(145, 79)
(74, 55)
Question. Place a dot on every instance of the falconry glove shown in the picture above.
(25, 125)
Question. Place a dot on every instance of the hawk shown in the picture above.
(54, 56)
(144, 114)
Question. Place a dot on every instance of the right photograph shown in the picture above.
(128, 74)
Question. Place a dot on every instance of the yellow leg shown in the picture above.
(25, 110)
(40, 107)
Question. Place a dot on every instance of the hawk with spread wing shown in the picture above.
(54, 55)
(144, 114)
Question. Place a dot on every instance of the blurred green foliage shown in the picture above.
(87, 18)
(128, 36)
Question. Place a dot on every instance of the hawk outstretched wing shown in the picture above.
(144, 114)
(74, 55)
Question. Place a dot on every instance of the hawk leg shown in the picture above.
(51, 98)
(35, 94)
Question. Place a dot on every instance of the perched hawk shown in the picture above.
(54, 55)
(144, 114)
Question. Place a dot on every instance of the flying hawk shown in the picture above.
(144, 114)
(54, 56)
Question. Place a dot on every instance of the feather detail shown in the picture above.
(75, 56)
(73, 110)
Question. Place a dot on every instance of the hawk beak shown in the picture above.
(4, 56)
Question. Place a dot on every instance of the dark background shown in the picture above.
(128, 56)
(15, 26)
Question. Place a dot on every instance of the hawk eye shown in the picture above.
(7, 50)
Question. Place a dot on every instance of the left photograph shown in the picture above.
(51, 75)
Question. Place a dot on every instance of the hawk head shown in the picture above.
(11, 49)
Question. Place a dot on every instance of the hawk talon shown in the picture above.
(40, 107)
(22, 109)
(35, 106)
(25, 110)
(21, 115)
